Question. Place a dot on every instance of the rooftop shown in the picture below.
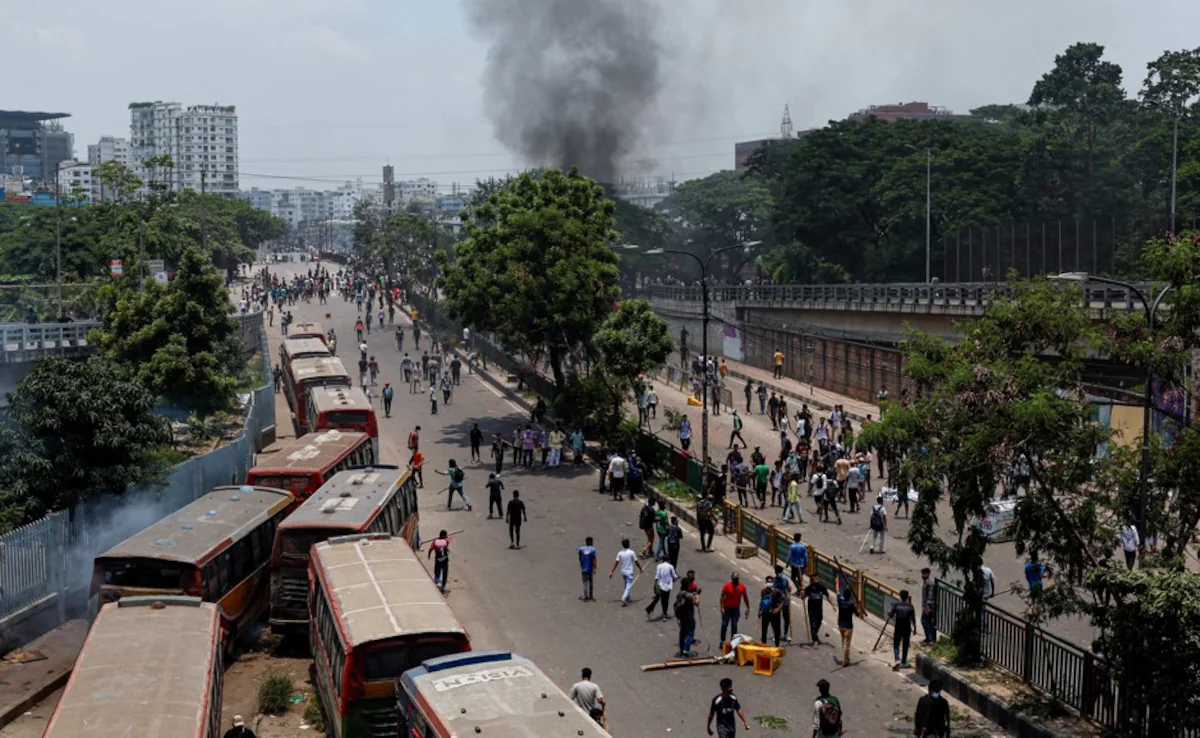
(27, 116)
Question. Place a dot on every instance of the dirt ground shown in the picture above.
(268, 656)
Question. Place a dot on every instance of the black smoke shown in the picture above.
(570, 82)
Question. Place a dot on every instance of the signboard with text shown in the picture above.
(116, 267)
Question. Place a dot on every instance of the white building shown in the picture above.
(202, 140)
(344, 200)
(416, 189)
(75, 179)
(108, 148)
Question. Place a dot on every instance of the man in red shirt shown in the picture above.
(733, 596)
(414, 439)
(440, 550)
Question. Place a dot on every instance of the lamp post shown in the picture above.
(704, 264)
(1151, 307)
(928, 208)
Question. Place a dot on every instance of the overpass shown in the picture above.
(842, 337)
(23, 344)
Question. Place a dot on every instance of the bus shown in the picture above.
(302, 465)
(307, 330)
(375, 614)
(303, 375)
(302, 348)
(376, 499)
(489, 692)
(150, 666)
(217, 548)
(344, 409)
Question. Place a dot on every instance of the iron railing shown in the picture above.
(18, 338)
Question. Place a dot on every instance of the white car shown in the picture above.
(998, 518)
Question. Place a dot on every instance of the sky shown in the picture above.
(330, 90)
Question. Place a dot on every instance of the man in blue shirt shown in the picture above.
(587, 566)
(1033, 576)
(797, 559)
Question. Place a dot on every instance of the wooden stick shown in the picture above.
(881, 632)
(681, 663)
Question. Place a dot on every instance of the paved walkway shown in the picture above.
(796, 391)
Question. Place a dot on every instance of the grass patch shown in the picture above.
(251, 377)
(944, 650)
(314, 715)
(771, 722)
(273, 694)
(675, 490)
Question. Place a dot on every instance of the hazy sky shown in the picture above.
(327, 90)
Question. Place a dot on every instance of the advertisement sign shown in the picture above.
(116, 267)
(154, 266)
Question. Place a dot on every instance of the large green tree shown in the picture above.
(76, 429)
(722, 209)
(631, 342)
(178, 339)
(536, 265)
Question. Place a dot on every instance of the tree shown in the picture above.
(720, 210)
(537, 265)
(642, 227)
(981, 405)
(179, 340)
(77, 430)
(631, 342)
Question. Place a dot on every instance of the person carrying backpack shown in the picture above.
(457, 477)
(685, 614)
(388, 392)
(878, 524)
(827, 713)
(646, 523)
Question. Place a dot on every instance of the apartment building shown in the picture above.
(202, 141)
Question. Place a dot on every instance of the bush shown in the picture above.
(314, 715)
(273, 694)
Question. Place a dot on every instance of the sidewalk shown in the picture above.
(24, 685)
(796, 391)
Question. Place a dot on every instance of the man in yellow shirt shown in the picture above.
(778, 364)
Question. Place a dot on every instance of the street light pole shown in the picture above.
(58, 238)
(704, 264)
(928, 211)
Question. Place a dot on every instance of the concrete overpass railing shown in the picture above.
(25, 342)
(969, 298)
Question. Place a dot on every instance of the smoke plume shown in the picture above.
(570, 82)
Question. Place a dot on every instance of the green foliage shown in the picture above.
(273, 693)
(179, 339)
(403, 242)
(720, 210)
(76, 429)
(314, 715)
(587, 402)
(536, 266)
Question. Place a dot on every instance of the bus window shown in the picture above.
(223, 581)
(212, 591)
(146, 573)
(240, 560)
(256, 546)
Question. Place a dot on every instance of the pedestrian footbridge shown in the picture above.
(28, 342)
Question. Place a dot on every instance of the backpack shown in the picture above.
(387, 393)
(683, 605)
(456, 475)
(830, 715)
(764, 605)
(877, 518)
(646, 517)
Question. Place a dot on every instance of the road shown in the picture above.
(527, 600)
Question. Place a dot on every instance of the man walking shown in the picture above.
(516, 516)
(616, 475)
(733, 597)
(585, 692)
(652, 403)
(457, 477)
(706, 522)
(904, 615)
(878, 524)
(847, 609)
(816, 595)
(476, 443)
(737, 430)
(685, 433)
(664, 581)
(439, 551)
(495, 495)
(674, 537)
(932, 719)
(685, 614)
(646, 523)
(827, 713)
(770, 609)
(1130, 542)
(797, 559)
(587, 569)
(928, 602)
(724, 707)
(778, 364)
(388, 393)
(792, 510)
(627, 558)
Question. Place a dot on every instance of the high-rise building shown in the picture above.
(201, 140)
(75, 181)
(32, 144)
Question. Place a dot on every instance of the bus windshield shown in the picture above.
(289, 482)
(296, 543)
(390, 661)
(336, 418)
(145, 573)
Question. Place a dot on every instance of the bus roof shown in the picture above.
(303, 369)
(504, 694)
(338, 398)
(380, 590)
(190, 534)
(348, 499)
(312, 451)
(316, 330)
(144, 670)
(305, 348)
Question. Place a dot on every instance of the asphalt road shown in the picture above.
(527, 600)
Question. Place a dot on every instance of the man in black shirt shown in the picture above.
(516, 516)
(495, 495)
(933, 713)
(904, 615)
(476, 442)
(770, 609)
(847, 609)
(814, 593)
(724, 707)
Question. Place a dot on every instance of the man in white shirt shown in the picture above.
(616, 475)
(989, 582)
(1130, 542)
(664, 580)
(685, 433)
(877, 524)
(627, 558)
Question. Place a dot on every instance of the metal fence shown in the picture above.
(79, 300)
(49, 561)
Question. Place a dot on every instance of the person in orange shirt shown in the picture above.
(415, 463)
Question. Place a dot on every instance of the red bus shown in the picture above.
(375, 614)
(343, 409)
(302, 375)
(217, 547)
(302, 348)
(307, 330)
(303, 465)
(374, 499)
